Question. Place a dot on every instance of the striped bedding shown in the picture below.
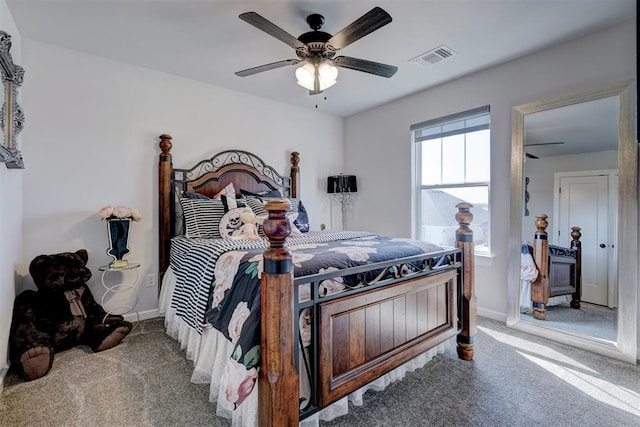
(193, 262)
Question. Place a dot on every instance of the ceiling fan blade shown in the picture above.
(271, 29)
(531, 156)
(370, 67)
(367, 23)
(266, 67)
(544, 143)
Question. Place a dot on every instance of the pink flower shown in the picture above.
(238, 381)
(121, 212)
(238, 318)
(330, 286)
(299, 258)
(135, 215)
(225, 270)
(105, 212)
(356, 253)
(305, 327)
(304, 293)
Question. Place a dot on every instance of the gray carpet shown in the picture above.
(515, 380)
(588, 321)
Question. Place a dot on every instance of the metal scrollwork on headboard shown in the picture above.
(233, 157)
(11, 114)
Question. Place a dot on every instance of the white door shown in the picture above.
(584, 203)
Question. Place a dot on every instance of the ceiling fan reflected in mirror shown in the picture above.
(316, 49)
(532, 156)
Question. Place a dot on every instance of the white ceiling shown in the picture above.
(207, 42)
(586, 127)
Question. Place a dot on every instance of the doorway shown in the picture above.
(584, 199)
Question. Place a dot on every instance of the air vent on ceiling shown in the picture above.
(433, 56)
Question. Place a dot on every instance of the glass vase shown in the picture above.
(118, 241)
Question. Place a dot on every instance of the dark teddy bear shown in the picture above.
(61, 314)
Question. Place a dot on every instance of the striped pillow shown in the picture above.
(257, 204)
(202, 217)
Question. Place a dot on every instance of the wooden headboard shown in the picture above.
(245, 170)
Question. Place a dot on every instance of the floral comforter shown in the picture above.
(234, 304)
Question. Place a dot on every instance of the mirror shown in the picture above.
(11, 115)
(535, 120)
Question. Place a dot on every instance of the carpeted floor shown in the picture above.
(515, 380)
(588, 321)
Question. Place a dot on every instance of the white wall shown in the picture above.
(10, 214)
(91, 139)
(378, 151)
(541, 181)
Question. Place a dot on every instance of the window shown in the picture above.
(452, 165)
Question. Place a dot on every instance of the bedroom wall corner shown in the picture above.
(10, 216)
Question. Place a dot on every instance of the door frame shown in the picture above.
(612, 228)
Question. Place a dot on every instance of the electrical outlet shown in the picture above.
(151, 280)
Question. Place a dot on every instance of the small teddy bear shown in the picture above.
(61, 314)
(248, 230)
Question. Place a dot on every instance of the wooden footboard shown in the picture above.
(559, 269)
(363, 335)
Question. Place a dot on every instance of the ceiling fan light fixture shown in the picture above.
(306, 75)
(327, 75)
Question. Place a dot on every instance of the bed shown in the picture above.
(316, 345)
(550, 274)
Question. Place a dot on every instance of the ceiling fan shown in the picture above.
(531, 156)
(317, 49)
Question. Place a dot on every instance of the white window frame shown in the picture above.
(417, 163)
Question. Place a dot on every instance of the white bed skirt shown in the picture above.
(210, 351)
(526, 306)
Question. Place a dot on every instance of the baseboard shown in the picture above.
(492, 314)
(142, 315)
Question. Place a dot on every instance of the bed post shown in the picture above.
(464, 240)
(278, 378)
(576, 245)
(165, 204)
(540, 287)
(295, 174)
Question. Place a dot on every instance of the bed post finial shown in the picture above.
(295, 174)
(464, 241)
(540, 286)
(278, 379)
(165, 145)
(166, 206)
(576, 245)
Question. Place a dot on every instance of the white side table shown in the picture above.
(121, 288)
